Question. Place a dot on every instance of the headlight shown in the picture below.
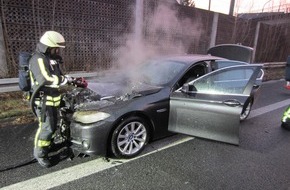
(90, 116)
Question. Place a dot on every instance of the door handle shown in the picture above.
(232, 103)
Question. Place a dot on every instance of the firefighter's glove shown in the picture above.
(80, 82)
(66, 79)
(69, 79)
(63, 81)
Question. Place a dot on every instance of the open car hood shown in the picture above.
(107, 89)
(119, 83)
(99, 95)
(117, 89)
(232, 52)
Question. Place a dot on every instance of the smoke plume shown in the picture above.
(165, 32)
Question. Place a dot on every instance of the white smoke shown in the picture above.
(165, 33)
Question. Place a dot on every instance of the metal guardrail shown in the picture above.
(11, 84)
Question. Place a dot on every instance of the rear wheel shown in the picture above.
(130, 137)
(246, 110)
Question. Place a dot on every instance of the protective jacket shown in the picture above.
(46, 77)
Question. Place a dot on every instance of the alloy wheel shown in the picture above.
(132, 138)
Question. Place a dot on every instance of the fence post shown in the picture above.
(3, 62)
(256, 41)
(214, 30)
(139, 11)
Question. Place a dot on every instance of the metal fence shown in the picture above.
(91, 29)
(98, 32)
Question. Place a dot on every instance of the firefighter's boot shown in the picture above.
(41, 155)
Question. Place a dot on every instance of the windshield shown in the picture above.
(159, 72)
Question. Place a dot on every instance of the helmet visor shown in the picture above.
(61, 44)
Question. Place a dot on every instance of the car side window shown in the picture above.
(193, 73)
(232, 81)
(218, 64)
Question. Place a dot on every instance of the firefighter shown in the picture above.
(285, 122)
(46, 78)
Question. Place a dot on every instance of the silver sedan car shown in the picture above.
(200, 95)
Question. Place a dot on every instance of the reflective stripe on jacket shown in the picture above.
(50, 101)
(286, 115)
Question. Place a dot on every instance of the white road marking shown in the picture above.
(269, 108)
(79, 171)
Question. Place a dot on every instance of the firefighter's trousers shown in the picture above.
(47, 124)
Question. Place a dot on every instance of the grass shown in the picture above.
(14, 109)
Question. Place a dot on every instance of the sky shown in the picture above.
(242, 6)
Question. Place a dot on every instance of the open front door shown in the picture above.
(210, 106)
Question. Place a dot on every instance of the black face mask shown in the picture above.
(58, 58)
(53, 56)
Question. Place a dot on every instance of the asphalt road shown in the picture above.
(261, 161)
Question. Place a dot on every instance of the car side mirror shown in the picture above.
(186, 88)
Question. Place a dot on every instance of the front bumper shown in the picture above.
(91, 139)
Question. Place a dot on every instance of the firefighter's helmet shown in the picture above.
(52, 39)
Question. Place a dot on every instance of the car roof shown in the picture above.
(191, 58)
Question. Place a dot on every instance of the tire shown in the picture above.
(285, 126)
(246, 110)
(130, 137)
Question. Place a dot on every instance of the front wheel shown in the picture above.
(130, 137)
(246, 110)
